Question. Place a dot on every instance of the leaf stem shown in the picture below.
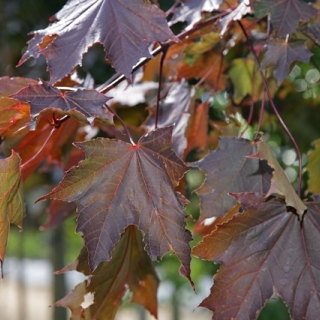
(122, 123)
(260, 115)
(163, 56)
(40, 150)
(274, 106)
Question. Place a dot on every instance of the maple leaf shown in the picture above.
(285, 14)
(281, 54)
(174, 110)
(190, 10)
(280, 183)
(263, 250)
(236, 14)
(14, 115)
(118, 185)
(11, 199)
(125, 28)
(43, 96)
(130, 266)
(228, 169)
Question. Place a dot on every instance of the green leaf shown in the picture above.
(12, 208)
(313, 168)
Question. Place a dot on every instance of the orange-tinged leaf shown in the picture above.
(209, 66)
(129, 266)
(198, 131)
(119, 184)
(11, 199)
(262, 251)
(52, 150)
(280, 183)
(14, 115)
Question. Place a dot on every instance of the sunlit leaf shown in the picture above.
(125, 28)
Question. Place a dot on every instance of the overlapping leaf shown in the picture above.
(125, 28)
(263, 250)
(130, 266)
(54, 149)
(190, 10)
(174, 110)
(229, 170)
(280, 183)
(281, 54)
(197, 133)
(285, 14)
(87, 102)
(118, 185)
(14, 114)
(11, 199)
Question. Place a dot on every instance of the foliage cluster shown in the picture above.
(177, 102)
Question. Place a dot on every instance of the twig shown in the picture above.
(122, 123)
(40, 150)
(118, 77)
(165, 50)
(274, 106)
